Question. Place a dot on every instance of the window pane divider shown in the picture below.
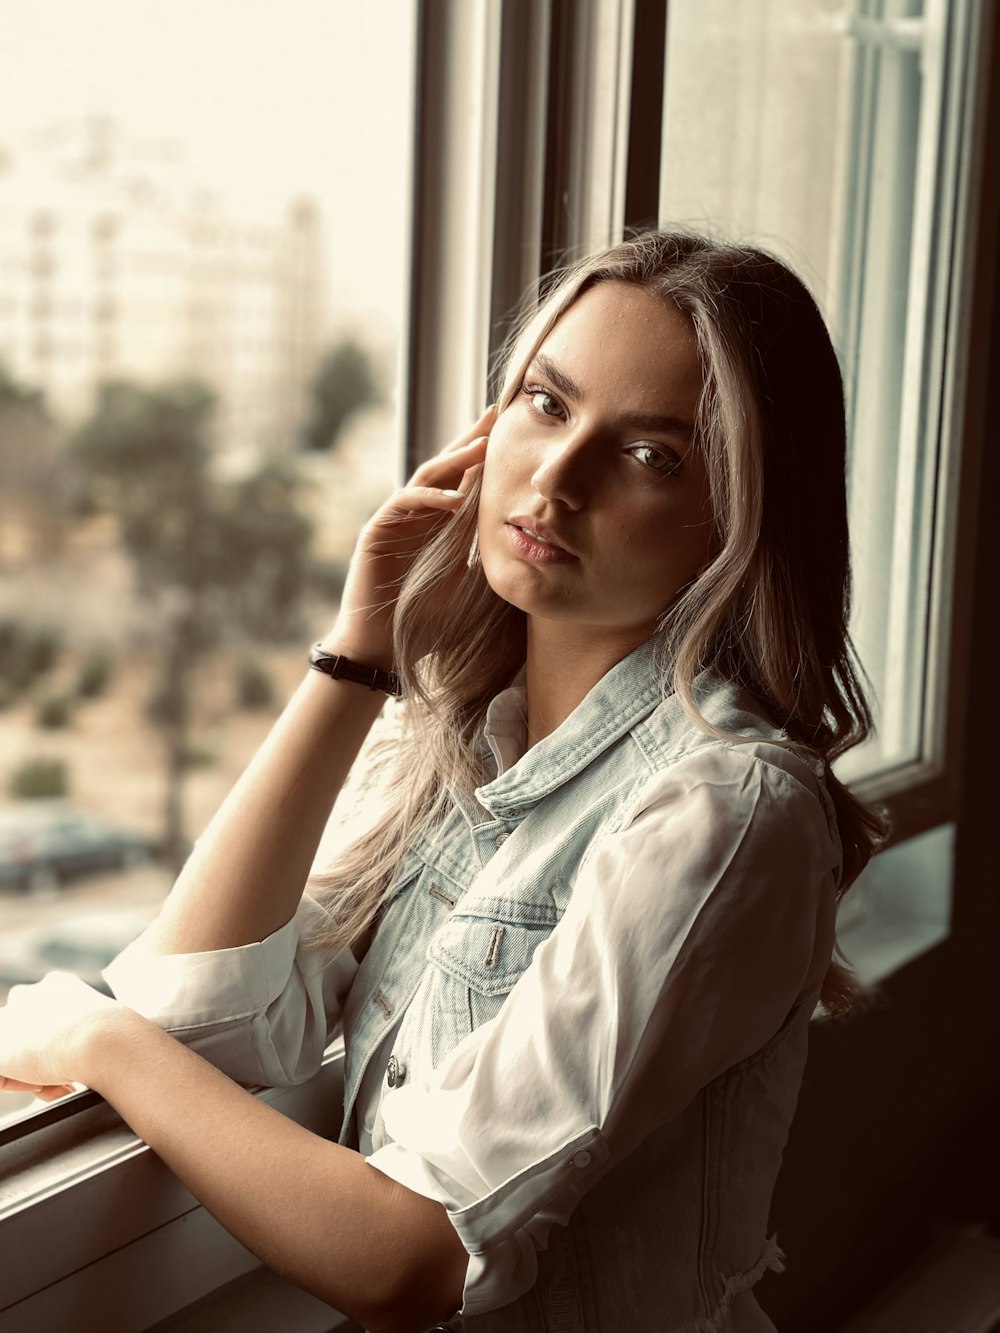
(901, 34)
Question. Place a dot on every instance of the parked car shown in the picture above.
(81, 944)
(43, 847)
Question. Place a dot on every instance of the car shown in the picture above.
(83, 944)
(46, 844)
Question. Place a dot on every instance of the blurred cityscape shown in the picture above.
(191, 434)
(202, 264)
(111, 267)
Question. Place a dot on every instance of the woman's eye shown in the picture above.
(660, 460)
(535, 393)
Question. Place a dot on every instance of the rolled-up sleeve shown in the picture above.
(262, 1013)
(690, 934)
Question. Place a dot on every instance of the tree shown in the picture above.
(33, 502)
(211, 557)
(343, 384)
(12, 393)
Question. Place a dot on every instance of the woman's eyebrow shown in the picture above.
(558, 377)
(661, 425)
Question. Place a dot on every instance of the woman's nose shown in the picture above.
(562, 474)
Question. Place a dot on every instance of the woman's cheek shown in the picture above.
(495, 481)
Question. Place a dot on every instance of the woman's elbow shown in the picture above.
(431, 1290)
(416, 1315)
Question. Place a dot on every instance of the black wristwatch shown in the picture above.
(342, 668)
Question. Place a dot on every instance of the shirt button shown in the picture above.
(394, 1072)
(581, 1158)
(501, 838)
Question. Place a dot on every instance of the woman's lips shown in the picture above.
(537, 551)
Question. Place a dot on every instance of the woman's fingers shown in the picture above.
(479, 427)
(15, 1085)
(48, 1090)
(439, 469)
(394, 536)
(412, 503)
(445, 470)
(437, 485)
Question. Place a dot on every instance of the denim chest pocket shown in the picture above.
(477, 959)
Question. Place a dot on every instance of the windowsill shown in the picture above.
(900, 907)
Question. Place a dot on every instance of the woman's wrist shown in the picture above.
(337, 648)
(339, 642)
(107, 1043)
(338, 666)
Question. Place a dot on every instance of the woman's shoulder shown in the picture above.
(680, 752)
(750, 777)
(669, 732)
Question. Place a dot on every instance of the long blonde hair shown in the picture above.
(769, 611)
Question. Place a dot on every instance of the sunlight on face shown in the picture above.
(595, 454)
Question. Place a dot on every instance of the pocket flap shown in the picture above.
(489, 952)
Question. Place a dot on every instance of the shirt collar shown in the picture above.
(505, 729)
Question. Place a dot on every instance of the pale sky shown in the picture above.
(267, 98)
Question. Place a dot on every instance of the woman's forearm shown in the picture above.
(313, 1211)
(245, 876)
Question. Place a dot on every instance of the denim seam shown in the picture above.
(439, 861)
(454, 962)
(760, 761)
(632, 811)
(513, 911)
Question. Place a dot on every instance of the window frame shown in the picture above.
(469, 268)
(923, 793)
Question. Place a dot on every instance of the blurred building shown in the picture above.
(111, 265)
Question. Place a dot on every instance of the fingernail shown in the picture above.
(454, 495)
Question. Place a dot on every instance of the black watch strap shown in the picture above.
(342, 668)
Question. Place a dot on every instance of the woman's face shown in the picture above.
(595, 454)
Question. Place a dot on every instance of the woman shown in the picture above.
(575, 955)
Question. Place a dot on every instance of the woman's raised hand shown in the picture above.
(392, 539)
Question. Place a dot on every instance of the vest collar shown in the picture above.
(622, 697)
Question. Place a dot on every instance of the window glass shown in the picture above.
(203, 259)
(821, 131)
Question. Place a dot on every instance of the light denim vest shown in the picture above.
(663, 1239)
